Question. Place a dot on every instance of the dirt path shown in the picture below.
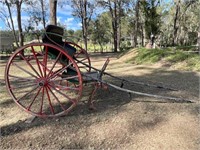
(120, 122)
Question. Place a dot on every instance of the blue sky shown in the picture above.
(64, 17)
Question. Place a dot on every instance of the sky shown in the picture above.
(64, 17)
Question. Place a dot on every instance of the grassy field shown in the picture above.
(186, 60)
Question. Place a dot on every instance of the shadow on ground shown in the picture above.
(112, 100)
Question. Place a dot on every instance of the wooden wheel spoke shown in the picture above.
(45, 61)
(83, 67)
(82, 60)
(21, 79)
(34, 98)
(72, 100)
(23, 86)
(29, 64)
(49, 100)
(65, 78)
(59, 71)
(56, 99)
(37, 61)
(61, 87)
(24, 70)
(54, 64)
(28, 93)
(80, 52)
(42, 101)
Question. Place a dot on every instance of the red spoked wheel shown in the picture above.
(82, 57)
(40, 83)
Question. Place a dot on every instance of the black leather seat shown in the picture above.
(54, 36)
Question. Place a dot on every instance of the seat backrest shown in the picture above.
(53, 34)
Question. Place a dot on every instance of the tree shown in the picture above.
(9, 18)
(53, 9)
(18, 4)
(38, 12)
(83, 9)
(134, 19)
(101, 30)
(42, 3)
(137, 8)
(152, 19)
(181, 20)
(176, 17)
(116, 9)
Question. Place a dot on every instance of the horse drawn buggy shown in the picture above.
(46, 79)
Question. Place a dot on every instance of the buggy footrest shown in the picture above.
(91, 76)
(87, 77)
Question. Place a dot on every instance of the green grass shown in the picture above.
(149, 56)
(174, 56)
(194, 62)
(186, 48)
(178, 56)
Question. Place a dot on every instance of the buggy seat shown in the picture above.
(53, 35)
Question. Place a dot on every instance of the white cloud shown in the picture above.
(71, 23)
(70, 19)
(24, 21)
(65, 10)
(79, 24)
(59, 19)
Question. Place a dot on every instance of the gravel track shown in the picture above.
(120, 121)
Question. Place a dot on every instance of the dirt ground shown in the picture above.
(121, 121)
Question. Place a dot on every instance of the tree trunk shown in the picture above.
(176, 17)
(43, 14)
(198, 40)
(115, 30)
(21, 37)
(119, 36)
(132, 39)
(12, 24)
(115, 20)
(143, 36)
(85, 24)
(53, 8)
(136, 22)
(101, 47)
(115, 39)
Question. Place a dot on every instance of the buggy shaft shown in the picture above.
(128, 81)
(174, 99)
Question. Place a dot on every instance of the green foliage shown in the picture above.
(178, 56)
(194, 62)
(125, 45)
(152, 18)
(150, 56)
(100, 30)
(186, 48)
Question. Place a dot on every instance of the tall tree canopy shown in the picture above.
(171, 23)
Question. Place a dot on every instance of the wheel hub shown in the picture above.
(42, 82)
